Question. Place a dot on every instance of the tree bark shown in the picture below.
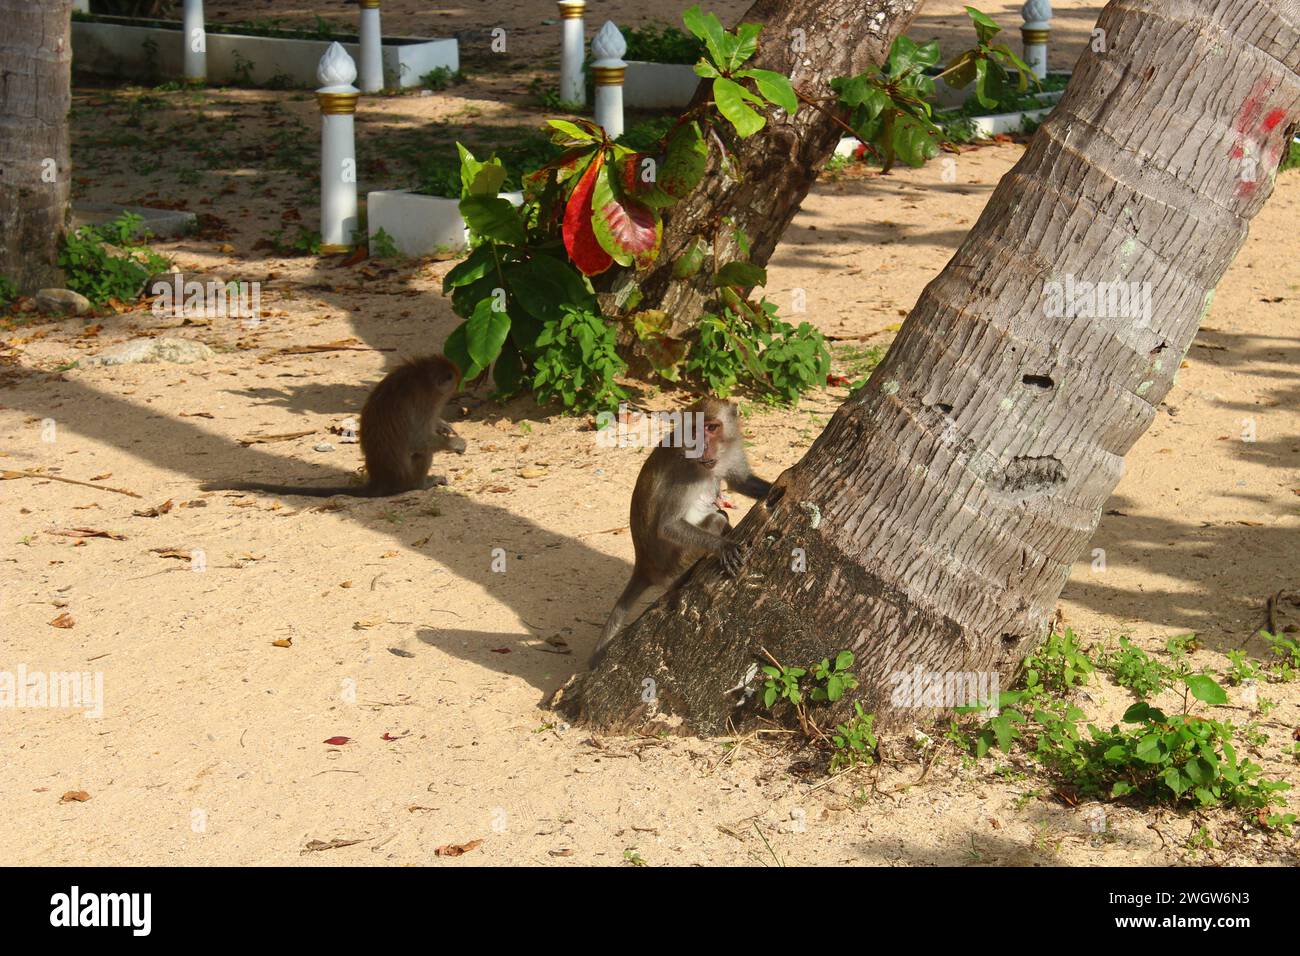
(942, 508)
(35, 97)
(812, 44)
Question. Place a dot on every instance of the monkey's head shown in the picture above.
(713, 431)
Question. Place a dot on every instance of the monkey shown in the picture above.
(675, 516)
(401, 428)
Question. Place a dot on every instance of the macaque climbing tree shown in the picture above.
(940, 512)
(35, 96)
(772, 170)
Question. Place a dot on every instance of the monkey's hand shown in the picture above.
(732, 557)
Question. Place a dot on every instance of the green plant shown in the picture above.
(8, 291)
(835, 677)
(576, 362)
(1287, 651)
(889, 110)
(781, 360)
(993, 67)
(441, 77)
(726, 52)
(1291, 158)
(243, 70)
(106, 262)
(1060, 664)
(1132, 667)
(854, 741)
(304, 242)
(382, 246)
(1241, 669)
(661, 43)
(782, 684)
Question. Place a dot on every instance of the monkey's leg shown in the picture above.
(635, 588)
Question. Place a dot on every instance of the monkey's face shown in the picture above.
(446, 439)
(713, 429)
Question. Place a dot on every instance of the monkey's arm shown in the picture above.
(749, 485)
(682, 533)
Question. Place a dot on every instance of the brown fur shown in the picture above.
(674, 517)
(401, 428)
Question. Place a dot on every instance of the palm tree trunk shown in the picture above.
(941, 510)
(35, 97)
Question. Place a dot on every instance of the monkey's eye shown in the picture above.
(711, 427)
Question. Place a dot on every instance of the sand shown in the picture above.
(212, 745)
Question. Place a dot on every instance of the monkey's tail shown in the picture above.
(355, 491)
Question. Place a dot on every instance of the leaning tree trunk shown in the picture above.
(812, 44)
(35, 96)
(942, 508)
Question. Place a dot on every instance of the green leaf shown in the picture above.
(472, 268)
(685, 161)
(741, 275)
(1206, 689)
(492, 217)
(843, 660)
(572, 134)
(985, 28)
(707, 27)
(691, 259)
(485, 332)
(508, 372)
(730, 98)
(775, 87)
(543, 285)
(457, 350)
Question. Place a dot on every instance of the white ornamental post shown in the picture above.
(372, 50)
(572, 87)
(607, 69)
(338, 150)
(196, 41)
(1035, 33)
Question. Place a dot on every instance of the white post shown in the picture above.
(572, 87)
(338, 150)
(372, 50)
(1035, 33)
(607, 69)
(196, 41)
(81, 6)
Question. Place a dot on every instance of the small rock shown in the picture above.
(165, 349)
(324, 446)
(62, 302)
(531, 472)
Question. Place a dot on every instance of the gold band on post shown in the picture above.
(334, 250)
(368, 4)
(608, 75)
(1034, 36)
(337, 104)
(571, 9)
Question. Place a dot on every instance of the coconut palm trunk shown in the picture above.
(35, 96)
(939, 514)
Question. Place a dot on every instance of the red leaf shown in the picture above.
(833, 379)
(388, 736)
(499, 650)
(579, 236)
(338, 741)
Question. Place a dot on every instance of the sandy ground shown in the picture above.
(211, 747)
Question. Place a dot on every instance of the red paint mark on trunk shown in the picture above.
(1272, 119)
